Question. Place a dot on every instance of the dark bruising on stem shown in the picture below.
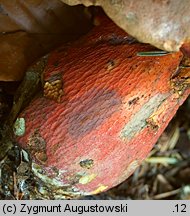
(92, 111)
(180, 80)
(115, 40)
(37, 146)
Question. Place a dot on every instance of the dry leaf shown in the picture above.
(29, 29)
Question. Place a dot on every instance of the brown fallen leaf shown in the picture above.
(29, 29)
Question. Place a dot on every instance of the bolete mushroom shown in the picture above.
(103, 108)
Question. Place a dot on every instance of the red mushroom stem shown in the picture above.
(103, 109)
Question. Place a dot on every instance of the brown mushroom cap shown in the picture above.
(162, 23)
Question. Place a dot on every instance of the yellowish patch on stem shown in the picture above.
(100, 189)
(53, 90)
(86, 179)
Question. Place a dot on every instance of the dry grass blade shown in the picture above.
(167, 194)
(154, 53)
(162, 160)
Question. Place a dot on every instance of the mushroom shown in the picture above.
(105, 104)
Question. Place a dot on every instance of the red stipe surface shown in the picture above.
(114, 107)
